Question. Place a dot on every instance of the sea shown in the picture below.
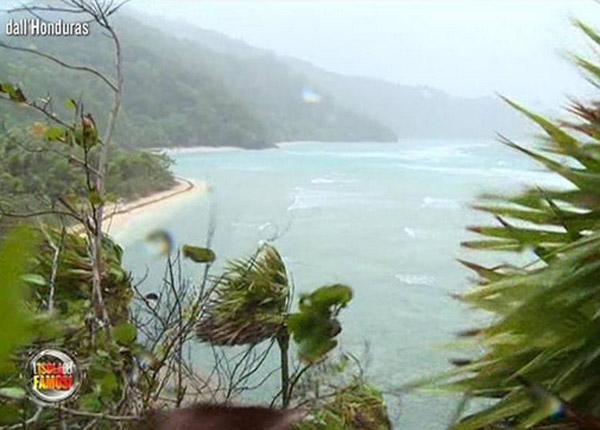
(386, 219)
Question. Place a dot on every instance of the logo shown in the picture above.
(53, 376)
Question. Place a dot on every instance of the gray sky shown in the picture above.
(466, 47)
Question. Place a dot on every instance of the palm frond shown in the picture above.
(249, 301)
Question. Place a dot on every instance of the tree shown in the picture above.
(251, 303)
(81, 133)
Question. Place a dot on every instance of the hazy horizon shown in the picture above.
(463, 47)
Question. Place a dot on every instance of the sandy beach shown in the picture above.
(195, 149)
(120, 214)
(295, 143)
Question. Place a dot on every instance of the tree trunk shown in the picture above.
(283, 340)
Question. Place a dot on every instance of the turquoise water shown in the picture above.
(386, 219)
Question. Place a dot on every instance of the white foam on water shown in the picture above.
(410, 232)
(306, 198)
(416, 279)
(333, 179)
(419, 233)
(429, 154)
(438, 203)
(512, 175)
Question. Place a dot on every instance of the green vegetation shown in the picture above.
(250, 303)
(14, 260)
(543, 331)
(151, 334)
(357, 406)
(345, 399)
(315, 325)
(35, 173)
(133, 174)
(179, 93)
(57, 313)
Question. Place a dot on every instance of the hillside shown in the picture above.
(411, 112)
(181, 93)
(418, 112)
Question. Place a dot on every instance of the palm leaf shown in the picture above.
(249, 301)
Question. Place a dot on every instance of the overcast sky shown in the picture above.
(466, 47)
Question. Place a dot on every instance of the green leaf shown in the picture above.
(589, 31)
(333, 295)
(16, 393)
(125, 334)
(7, 88)
(315, 326)
(71, 104)
(53, 134)
(95, 198)
(16, 95)
(108, 385)
(493, 245)
(483, 272)
(9, 414)
(586, 179)
(198, 254)
(34, 279)
(15, 253)
(111, 197)
(523, 235)
(592, 68)
(90, 402)
(562, 141)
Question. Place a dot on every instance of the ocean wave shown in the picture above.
(309, 199)
(333, 179)
(429, 154)
(306, 198)
(438, 203)
(412, 279)
(245, 168)
(419, 233)
(529, 176)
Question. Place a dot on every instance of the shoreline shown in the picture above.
(195, 149)
(119, 215)
(182, 150)
(200, 149)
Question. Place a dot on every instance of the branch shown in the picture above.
(40, 9)
(55, 261)
(42, 109)
(38, 213)
(99, 415)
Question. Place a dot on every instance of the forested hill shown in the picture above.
(182, 93)
(410, 111)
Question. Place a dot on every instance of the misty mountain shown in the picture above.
(410, 111)
(182, 93)
(418, 112)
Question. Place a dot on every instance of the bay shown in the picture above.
(386, 219)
